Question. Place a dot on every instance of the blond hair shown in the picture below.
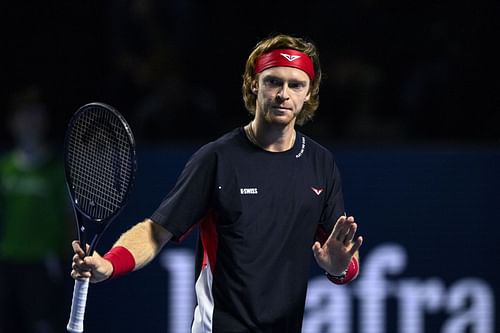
(281, 41)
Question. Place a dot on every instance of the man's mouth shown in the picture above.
(281, 108)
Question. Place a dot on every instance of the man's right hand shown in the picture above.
(94, 267)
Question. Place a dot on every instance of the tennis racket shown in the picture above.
(100, 165)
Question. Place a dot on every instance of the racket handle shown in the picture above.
(80, 289)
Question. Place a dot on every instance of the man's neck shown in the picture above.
(271, 137)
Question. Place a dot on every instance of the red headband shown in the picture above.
(287, 58)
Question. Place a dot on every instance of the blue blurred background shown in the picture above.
(409, 106)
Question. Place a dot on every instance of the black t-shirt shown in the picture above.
(258, 213)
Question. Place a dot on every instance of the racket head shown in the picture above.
(100, 166)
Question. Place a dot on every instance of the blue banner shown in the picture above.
(429, 262)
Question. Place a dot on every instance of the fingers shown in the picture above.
(337, 229)
(344, 232)
(79, 267)
(317, 249)
(82, 265)
(334, 255)
(78, 249)
(344, 229)
(350, 233)
(356, 245)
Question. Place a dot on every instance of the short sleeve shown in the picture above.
(190, 198)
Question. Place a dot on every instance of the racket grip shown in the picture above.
(80, 289)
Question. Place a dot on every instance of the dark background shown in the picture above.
(394, 72)
(409, 105)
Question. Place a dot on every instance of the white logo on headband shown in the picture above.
(290, 57)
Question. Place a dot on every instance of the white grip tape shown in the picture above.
(75, 324)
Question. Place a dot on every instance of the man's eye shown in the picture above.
(296, 85)
(273, 82)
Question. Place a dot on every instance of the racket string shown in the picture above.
(104, 187)
(100, 162)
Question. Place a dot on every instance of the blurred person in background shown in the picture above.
(33, 233)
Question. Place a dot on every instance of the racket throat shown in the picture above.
(89, 233)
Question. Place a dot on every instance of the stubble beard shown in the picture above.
(274, 118)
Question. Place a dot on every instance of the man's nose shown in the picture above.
(283, 92)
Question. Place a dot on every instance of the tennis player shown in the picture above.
(263, 195)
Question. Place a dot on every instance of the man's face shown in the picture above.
(281, 93)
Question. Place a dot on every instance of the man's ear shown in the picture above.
(255, 88)
(308, 96)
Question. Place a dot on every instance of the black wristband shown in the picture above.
(337, 277)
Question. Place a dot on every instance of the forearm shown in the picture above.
(144, 241)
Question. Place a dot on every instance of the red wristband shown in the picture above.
(122, 260)
(351, 273)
